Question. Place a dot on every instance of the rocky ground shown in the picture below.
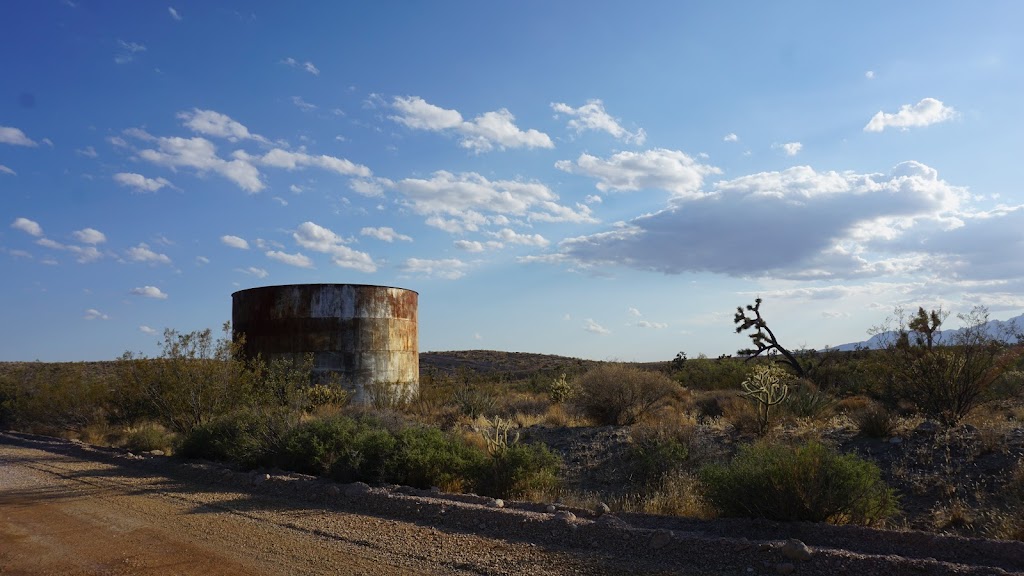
(69, 508)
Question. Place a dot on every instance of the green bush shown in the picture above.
(621, 395)
(805, 483)
(428, 457)
(656, 453)
(874, 422)
(519, 470)
(148, 437)
(243, 437)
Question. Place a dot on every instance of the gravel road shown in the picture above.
(71, 509)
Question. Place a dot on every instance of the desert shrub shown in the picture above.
(427, 457)
(808, 401)
(875, 421)
(561, 390)
(55, 398)
(661, 450)
(703, 373)
(766, 387)
(804, 483)
(615, 394)
(475, 400)
(148, 437)
(242, 437)
(520, 470)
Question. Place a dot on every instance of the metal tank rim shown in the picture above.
(325, 284)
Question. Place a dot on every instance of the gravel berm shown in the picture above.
(71, 508)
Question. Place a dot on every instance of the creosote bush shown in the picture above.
(615, 394)
(804, 483)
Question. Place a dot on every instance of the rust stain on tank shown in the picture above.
(367, 335)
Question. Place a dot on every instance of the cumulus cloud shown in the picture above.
(789, 148)
(460, 202)
(15, 137)
(385, 233)
(7, 170)
(279, 158)
(592, 116)
(925, 113)
(212, 123)
(140, 182)
(796, 223)
(200, 154)
(634, 312)
(30, 227)
(482, 134)
(307, 66)
(314, 237)
(594, 328)
(509, 236)
(446, 269)
(84, 254)
(143, 253)
(234, 242)
(648, 324)
(254, 271)
(149, 292)
(90, 236)
(870, 74)
(94, 314)
(147, 330)
(731, 137)
(658, 169)
(298, 259)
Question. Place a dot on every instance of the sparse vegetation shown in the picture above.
(621, 395)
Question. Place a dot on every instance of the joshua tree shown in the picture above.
(763, 338)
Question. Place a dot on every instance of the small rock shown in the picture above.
(496, 503)
(550, 509)
(601, 509)
(895, 440)
(260, 478)
(565, 515)
(785, 568)
(660, 539)
(156, 452)
(611, 521)
(796, 550)
(927, 427)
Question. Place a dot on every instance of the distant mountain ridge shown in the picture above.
(993, 328)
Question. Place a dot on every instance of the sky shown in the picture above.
(604, 180)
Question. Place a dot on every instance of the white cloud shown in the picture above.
(295, 189)
(593, 199)
(27, 226)
(509, 236)
(90, 236)
(280, 200)
(447, 269)
(149, 292)
(128, 51)
(88, 152)
(15, 137)
(372, 187)
(202, 260)
(94, 314)
(655, 325)
(659, 169)
(465, 198)
(174, 13)
(212, 123)
(200, 154)
(234, 242)
(85, 254)
(634, 312)
(731, 137)
(319, 239)
(925, 113)
(592, 116)
(254, 271)
(302, 104)
(593, 327)
(142, 253)
(384, 233)
(796, 223)
(870, 74)
(481, 134)
(469, 245)
(140, 182)
(7, 170)
(279, 158)
(147, 330)
(789, 148)
(298, 259)
(307, 66)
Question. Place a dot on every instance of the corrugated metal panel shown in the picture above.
(363, 334)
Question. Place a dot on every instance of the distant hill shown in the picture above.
(1000, 329)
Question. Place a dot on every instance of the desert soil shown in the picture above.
(72, 509)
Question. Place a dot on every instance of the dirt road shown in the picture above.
(70, 509)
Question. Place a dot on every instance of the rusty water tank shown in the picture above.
(365, 335)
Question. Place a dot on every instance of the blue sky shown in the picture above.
(606, 180)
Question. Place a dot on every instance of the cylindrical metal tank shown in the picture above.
(366, 335)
